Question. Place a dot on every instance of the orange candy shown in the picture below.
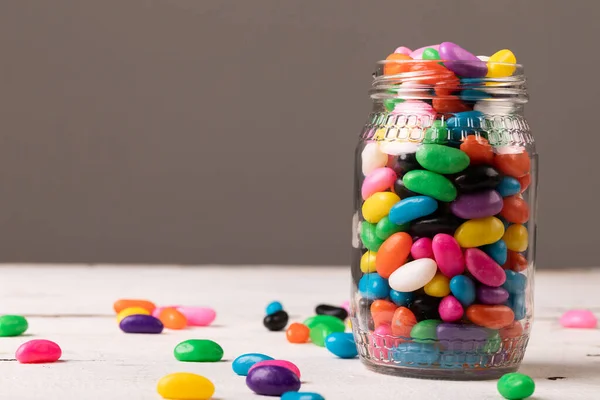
(525, 181)
(297, 333)
(402, 322)
(382, 312)
(515, 261)
(446, 84)
(493, 317)
(122, 304)
(478, 150)
(515, 165)
(395, 68)
(515, 210)
(393, 253)
(511, 331)
(172, 319)
(449, 104)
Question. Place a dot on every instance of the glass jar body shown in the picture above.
(444, 238)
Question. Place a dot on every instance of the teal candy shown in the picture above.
(412, 208)
(243, 363)
(373, 286)
(401, 298)
(464, 123)
(517, 303)
(301, 396)
(273, 307)
(341, 344)
(474, 95)
(498, 251)
(463, 288)
(508, 186)
(416, 354)
(515, 282)
(368, 236)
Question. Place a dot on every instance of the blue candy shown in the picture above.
(401, 298)
(373, 286)
(467, 119)
(517, 303)
(498, 251)
(273, 307)
(416, 353)
(508, 186)
(243, 363)
(463, 288)
(515, 282)
(341, 344)
(473, 95)
(412, 208)
(301, 396)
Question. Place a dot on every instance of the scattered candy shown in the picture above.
(158, 310)
(131, 311)
(280, 363)
(122, 304)
(171, 318)
(185, 386)
(273, 307)
(198, 316)
(319, 333)
(516, 386)
(341, 344)
(276, 321)
(271, 380)
(326, 309)
(579, 319)
(141, 324)
(297, 333)
(12, 325)
(242, 364)
(38, 351)
(198, 350)
(301, 396)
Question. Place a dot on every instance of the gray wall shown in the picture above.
(223, 131)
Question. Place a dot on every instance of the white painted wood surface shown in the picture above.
(72, 305)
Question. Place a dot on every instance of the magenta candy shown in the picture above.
(198, 316)
(448, 255)
(491, 295)
(38, 351)
(579, 319)
(158, 310)
(346, 305)
(484, 268)
(461, 62)
(477, 205)
(418, 53)
(421, 248)
(403, 50)
(382, 340)
(450, 309)
(379, 180)
(279, 363)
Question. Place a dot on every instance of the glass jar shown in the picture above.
(444, 224)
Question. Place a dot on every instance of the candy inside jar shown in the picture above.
(445, 202)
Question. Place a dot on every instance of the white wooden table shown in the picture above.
(72, 305)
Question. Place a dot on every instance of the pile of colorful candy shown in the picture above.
(441, 269)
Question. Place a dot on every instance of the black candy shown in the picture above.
(425, 307)
(326, 309)
(430, 226)
(476, 178)
(402, 191)
(276, 321)
(404, 163)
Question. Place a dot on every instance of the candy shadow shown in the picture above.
(570, 371)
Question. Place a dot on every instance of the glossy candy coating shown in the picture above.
(185, 386)
(297, 333)
(341, 344)
(273, 307)
(378, 206)
(141, 324)
(393, 253)
(38, 351)
(12, 325)
(172, 319)
(281, 363)
(516, 386)
(198, 350)
(413, 275)
(242, 364)
(327, 309)
(430, 184)
(272, 380)
(276, 321)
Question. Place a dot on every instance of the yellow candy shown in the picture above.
(378, 206)
(501, 70)
(479, 232)
(131, 311)
(516, 238)
(367, 262)
(185, 386)
(439, 286)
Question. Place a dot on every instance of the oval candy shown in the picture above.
(497, 250)
(479, 232)
(276, 321)
(367, 262)
(382, 312)
(38, 351)
(141, 324)
(484, 268)
(516, 261)
(491, 295)
(401, 190)
(450, 309)
(508, 186)
(378, 206)
(122, 304)
(272, 380)
(273, 307)
(425, 331)
(412, 208)
(402, 322)
(422, 248)
(478, 149)
(463, 288)
(413, 275)
(442, 159)
(280, 363)
(171, 318)
(297, 333)
(198, 316)
(425, 307)
(393, 253)
(501, 64)
(432, 225)
(448, 255)
(379, 180)
(515, 210)
(368, 236)
(430, 184)
(373, 286)
(372, 158)
(242, 364)
(515, 386)
(131, 311)
(439, 286)
(462, 62)
(516, 165)
(341, 344)
(477, 178)
(493, 317)
(185, 386)
(334, 323)
(327, 309)
(12, 325)
(386, 228)
(477, 205)
(198, 350)
(401, 298)
(516, 238)
(301, 396)
(403, 163)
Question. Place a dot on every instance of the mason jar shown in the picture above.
(444, 224)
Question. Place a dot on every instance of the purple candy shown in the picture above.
(272, 380)
(477, 205)
(466, 337)
(141, 324)
(467, 64)
(491, 295)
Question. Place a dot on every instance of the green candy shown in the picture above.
(390, 104)
(437, 133)
(198, 350)
(430, 184)
(515, 386)
(493, 343)
(369, 236)
(442, 159)
(386, 228)
(431, 54)
(333, 323)
(319, 333)
(425, 331)
(12, 325)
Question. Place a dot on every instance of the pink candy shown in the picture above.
(450, 309)
(484, 268)
(379, 180)
(346, 305)
(38, 351)
(403, 50)
(421, 248)
(278, 363)
(198, 316)
(579, 319)
(448, 255)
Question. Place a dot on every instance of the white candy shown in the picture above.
(372, 158)
(399, 147)
(413, 275)
(494, 108)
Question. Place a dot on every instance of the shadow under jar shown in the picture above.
(444, 224)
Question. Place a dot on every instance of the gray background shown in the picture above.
(223, 131)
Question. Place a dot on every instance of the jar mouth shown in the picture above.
(428, 79)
